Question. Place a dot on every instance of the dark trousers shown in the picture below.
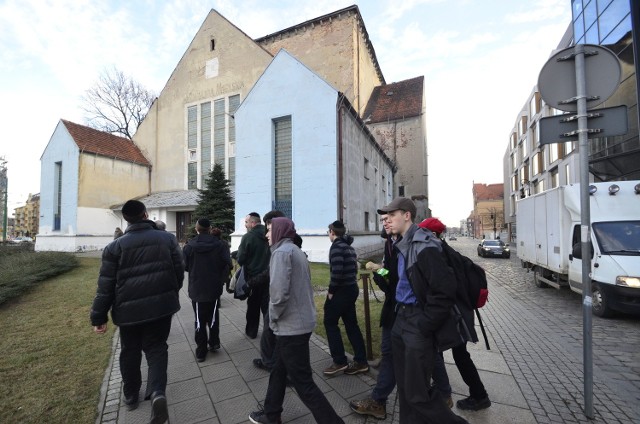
(343, 305)
(440, 376)
(207, 320)
(267, 343)
(292, 359)
(150, 338)
(256, 306)
(468, 371)
(414, 355)
(386, 375)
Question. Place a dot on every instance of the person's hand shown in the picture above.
(100, 329)
(329, 296)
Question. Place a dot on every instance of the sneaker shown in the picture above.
(471, 404)
(159, 411)
(259, 364)
(201, 358)
(356, 368)
(369, 406)
(259, 417)
(214, 347)
(334, 368)
(131, 402)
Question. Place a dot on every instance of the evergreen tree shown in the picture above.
(216, 202)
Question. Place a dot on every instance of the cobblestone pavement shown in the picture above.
(539, 332)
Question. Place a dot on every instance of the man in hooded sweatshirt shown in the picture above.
(207, 261)
(341, 303)
(292, 317)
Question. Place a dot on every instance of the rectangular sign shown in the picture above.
(605, 122)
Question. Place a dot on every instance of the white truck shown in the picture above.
(549, 237)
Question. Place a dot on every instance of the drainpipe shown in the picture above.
(339, 154)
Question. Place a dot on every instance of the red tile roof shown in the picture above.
(488, 191)
(99, 142)
(395, 101)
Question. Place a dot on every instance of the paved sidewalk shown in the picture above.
(226, 387)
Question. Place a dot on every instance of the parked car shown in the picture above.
(494, 248)
(452, 237)
(21, 239)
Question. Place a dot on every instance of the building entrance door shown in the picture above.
(183, 222)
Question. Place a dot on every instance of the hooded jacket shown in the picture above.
(207, 261)
(343, 263)
(433, 283)
(253, 252)
(140, 276)
(292, 310)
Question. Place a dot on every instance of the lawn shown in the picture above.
(52, 364)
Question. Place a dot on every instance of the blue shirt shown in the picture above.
(404, 293)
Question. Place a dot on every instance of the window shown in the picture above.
(522, 127)
(219, 131)
(537, 165)
(193, 156)
(282, 195)
(568, 147)
(553, 152)
(384, 187)
(366, 169)
(366, 221)
(401, 191)
(555, 178)
(57, 196)
(192, 127)
(567, 170)
(514, 140)
(192, 175)
(212, 45)
(205, 141)
(513, 162)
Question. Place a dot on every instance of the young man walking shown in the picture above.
(341, 304)
(292, 316)
(140, 276)
(425, 296)
(207, 261)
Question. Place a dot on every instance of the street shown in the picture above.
(539, 332)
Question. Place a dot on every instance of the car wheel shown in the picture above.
(600, 303)
(537, 281)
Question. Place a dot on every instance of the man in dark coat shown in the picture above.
(425, 296)
(253, 256)
(140, 276)
(207, 261)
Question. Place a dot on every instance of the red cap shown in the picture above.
(433, 224)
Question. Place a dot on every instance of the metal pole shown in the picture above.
(585, 233)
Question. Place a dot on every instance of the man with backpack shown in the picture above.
(425, 296)
(478, 398)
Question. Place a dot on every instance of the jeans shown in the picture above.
(292, 359)
(414, 355)
(386, 376)
(267, 343)
(343, 305)
(150, 338)
(207, 316)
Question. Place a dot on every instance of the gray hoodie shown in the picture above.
(291, 308)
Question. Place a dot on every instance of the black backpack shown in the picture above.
(472, 282)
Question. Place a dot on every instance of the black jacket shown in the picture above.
(388, 284)
(208, 262)
(253, 252)
(140, 276)
(433, 284)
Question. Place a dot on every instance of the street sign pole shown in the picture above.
(585, 231)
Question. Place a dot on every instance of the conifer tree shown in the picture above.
(216, 202)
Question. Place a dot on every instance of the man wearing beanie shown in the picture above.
(207, 261)
(140, 276)
(425, 295)
(341, 304)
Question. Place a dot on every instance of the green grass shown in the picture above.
(52, 363)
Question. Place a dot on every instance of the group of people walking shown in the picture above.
(142, 272)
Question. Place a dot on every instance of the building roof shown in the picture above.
(353, 8)
(168, 199)
(488, 191)
(90, 140)
(395, 101)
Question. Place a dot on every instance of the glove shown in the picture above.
(381, 282)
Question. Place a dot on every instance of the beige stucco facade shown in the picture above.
(104, 182)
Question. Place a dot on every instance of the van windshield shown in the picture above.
(619, 238)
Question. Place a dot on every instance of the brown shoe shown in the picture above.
(369, 406)
(334, 369)
(356, 368)
(449, 401)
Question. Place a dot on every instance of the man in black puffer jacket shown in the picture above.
(140, 276)
(207, 260)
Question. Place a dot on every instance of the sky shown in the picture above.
(480, 60)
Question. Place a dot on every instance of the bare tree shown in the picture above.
(117, 104)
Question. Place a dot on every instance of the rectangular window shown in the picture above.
(192, 175)
(283, 158)
(366, 169)
(234, 103)
(219, 131)
(401, 191)
(57, 196)
(553, 152)
(232, 174)
(513, 162)
(192, 127)
(568, 147)
(514, 140)
(535, 105)
(366, 221)
(567, 170)
(522, 128)
(384, 187)
(555, 178)
(205, 141)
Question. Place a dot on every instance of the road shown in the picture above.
(539, 332)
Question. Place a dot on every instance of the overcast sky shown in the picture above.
(480, 60)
